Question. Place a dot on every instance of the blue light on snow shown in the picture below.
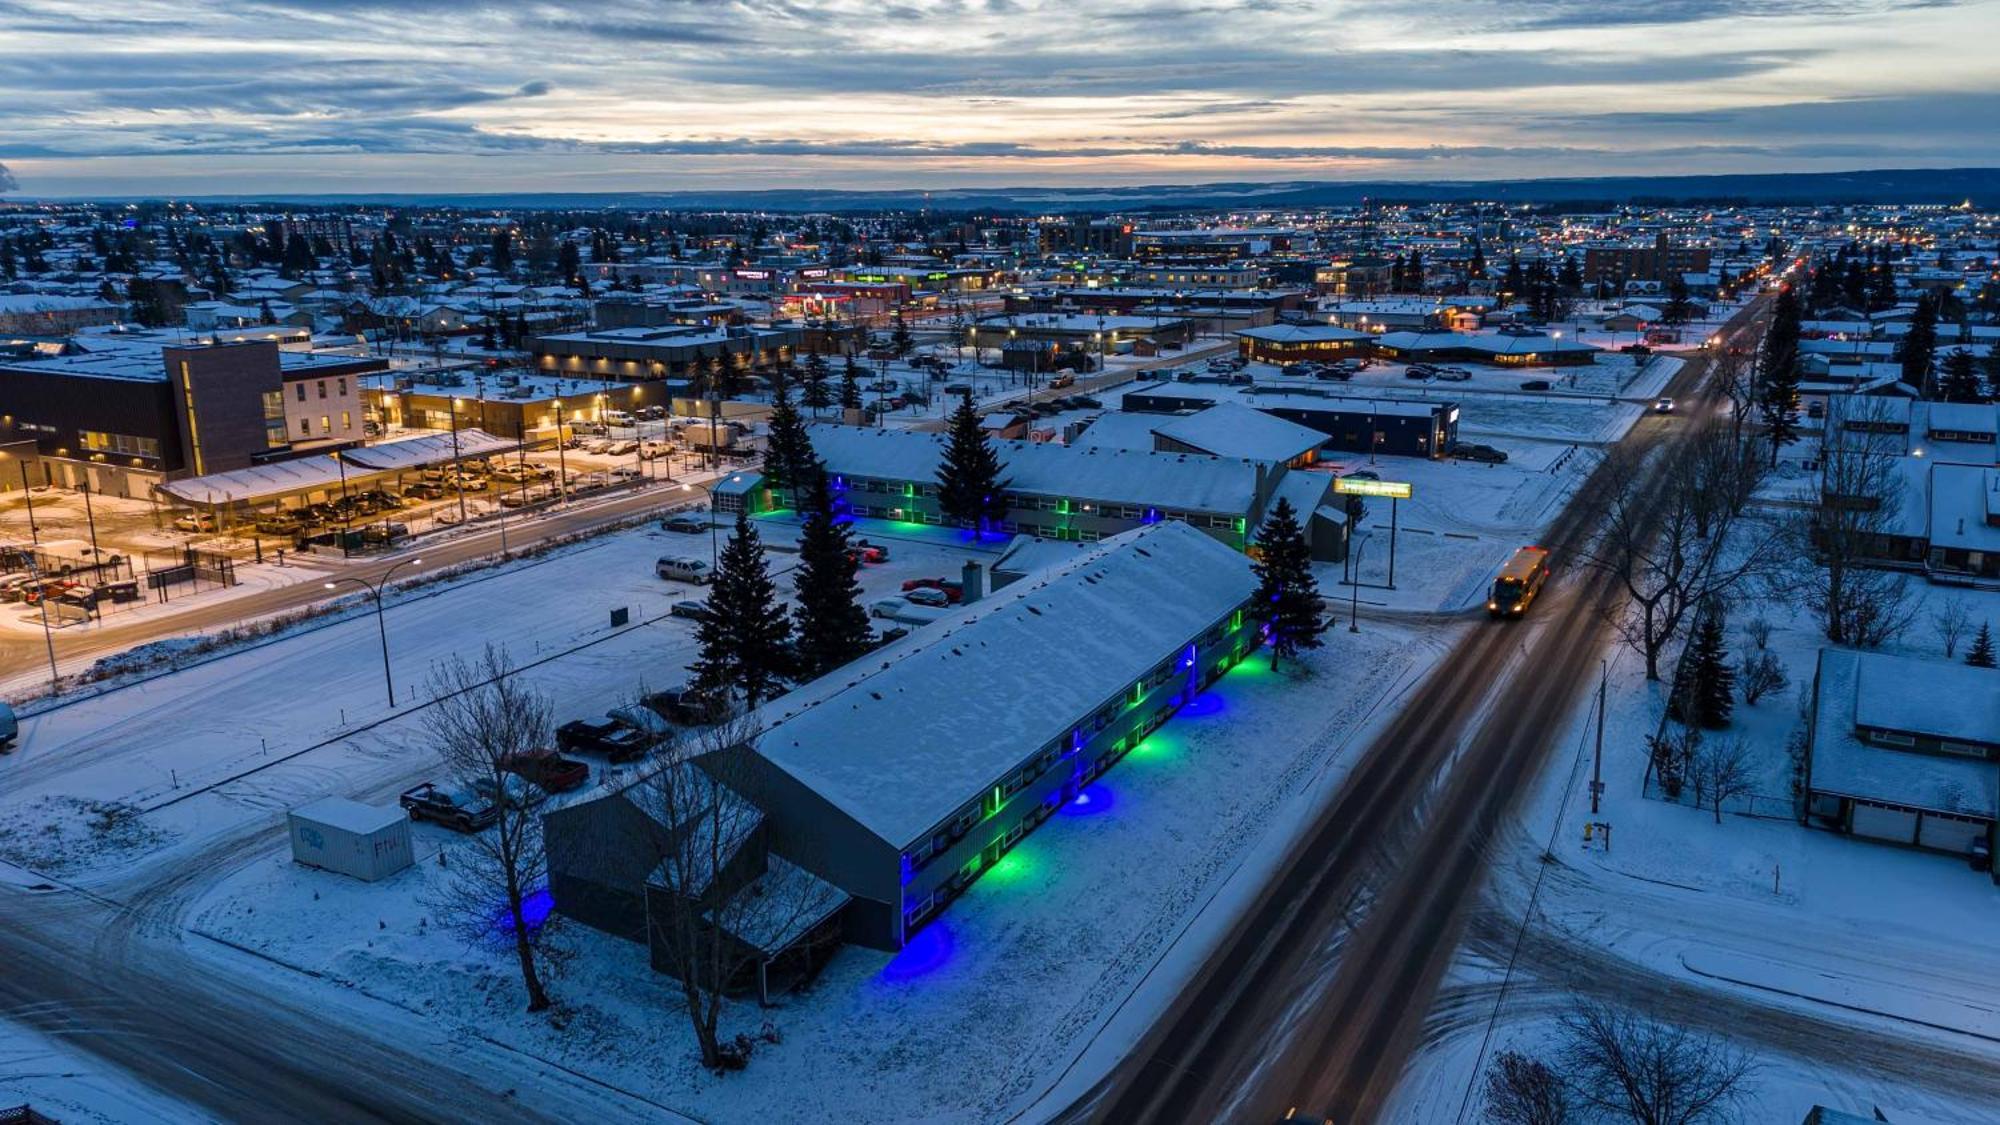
(535, 911)
(1091, 801)
(927, 951)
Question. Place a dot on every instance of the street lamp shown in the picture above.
(34, 531)
(375, 590)
(48, 637)
(1354, 588)
(714, 549)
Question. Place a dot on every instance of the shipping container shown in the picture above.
(368, 842)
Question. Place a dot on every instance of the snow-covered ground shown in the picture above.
(1757, 910)
(985, 1008)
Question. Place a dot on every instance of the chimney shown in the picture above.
(973, 579)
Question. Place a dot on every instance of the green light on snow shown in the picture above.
(1014, 867)
(1159, 747)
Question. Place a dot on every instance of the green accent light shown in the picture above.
(1015, 867)
(909, 490)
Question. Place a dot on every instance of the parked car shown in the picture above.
(459, 809)
(1536, 385)
(688, 608)
(888, 607)
(515, 499)
(548, 769)
(1063, 380)
(874, 552)
(953, 591)
(617, 741)
(10, 726)
(926, 595)
(622, 448)
(688, 706)
(1453, 375)
(194, 522)
(276, 525)
(425, 490)
(1663, 405)
(696, 571)
(685, 523)
(1469, 451)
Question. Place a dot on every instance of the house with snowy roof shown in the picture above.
(1904, 750)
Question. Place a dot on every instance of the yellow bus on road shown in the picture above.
(1515, 587)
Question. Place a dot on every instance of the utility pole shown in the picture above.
(1597, 763)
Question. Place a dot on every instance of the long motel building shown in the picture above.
(903, 777)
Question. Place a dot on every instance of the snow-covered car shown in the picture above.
(888, 607)
(684, 523)
(927, 595)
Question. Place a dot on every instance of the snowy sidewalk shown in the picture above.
(1890, 999)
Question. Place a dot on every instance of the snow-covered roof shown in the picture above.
(1303, 334)
(1230, 429)
(430, 449)
(797, 900)
(966, 699)
(351, 816)
(1179, 481)
(1964, 498)
(1881, 690)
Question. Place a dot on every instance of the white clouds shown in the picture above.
(951, 90)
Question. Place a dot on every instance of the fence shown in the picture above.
(1763, 806)
(167, 571)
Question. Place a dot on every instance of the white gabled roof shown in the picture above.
(1884, 691)
(1230, 429)
(901, 746)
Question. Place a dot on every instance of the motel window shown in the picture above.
(322, 388)
(305, 426)
(325, 424)
(346, 420)
(340, 386)
(302, 391)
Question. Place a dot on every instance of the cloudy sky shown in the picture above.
(198, 97)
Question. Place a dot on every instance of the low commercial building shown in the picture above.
(1296, 343)
(1504, 348)
(901, 780)
(1078, 493)
(1092, 333)
(1408, 428)
(1904, 750)
(668, 351)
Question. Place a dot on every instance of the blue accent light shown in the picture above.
(926, 951)
(536, 907)
(1092, 800)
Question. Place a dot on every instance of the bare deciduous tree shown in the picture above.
(726, 897)
(1736, 376)
(1522, 1090)
(1951, 622)
(1762, 673)
(1847, 522)
(484, 716)
(1721, 770)
(1673, 533)
(1650, 1073)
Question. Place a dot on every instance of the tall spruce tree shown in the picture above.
(1919, 349)
(1287, 594)
(1981, 654)
(850, 385)
(744, 633)
(832, 626)
(1778, 372)
(816, 396)
(789, 459)
(1958, 377)
(969, 485)
(1708, 681)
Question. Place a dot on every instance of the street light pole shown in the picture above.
(48, 637)
(375, 590)
(34, 531)
(1354, 589)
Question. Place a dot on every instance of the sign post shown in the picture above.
(1395, 490)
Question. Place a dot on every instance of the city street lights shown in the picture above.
(375, 590)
